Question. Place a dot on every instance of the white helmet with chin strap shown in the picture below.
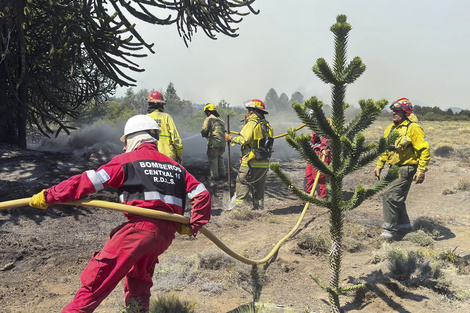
(139, 123)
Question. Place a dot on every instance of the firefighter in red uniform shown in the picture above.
(321, 145)
(145, 178)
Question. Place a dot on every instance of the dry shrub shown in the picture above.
(317, 243)
(171, 303)
(243, 213)
(175, 272)
(414, 270)
(448, 191)
(133, 307)
(464, 130)
(463, 184)
(428, 226)
(215, 260)
(451, 167)
(462, 264)
(463, 154)
(444, 151)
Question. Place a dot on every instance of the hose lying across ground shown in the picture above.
(171, 217)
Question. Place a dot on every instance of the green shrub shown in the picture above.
(401, 263)
(419, 237)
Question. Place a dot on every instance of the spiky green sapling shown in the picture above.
(349, 149)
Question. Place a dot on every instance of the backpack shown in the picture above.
(263, 141)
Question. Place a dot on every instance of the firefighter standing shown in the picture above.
(321, 145)
(411, 153)
(145, 178)
(213, 129)
(252, 171)
(170, 143)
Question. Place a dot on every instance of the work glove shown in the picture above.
(228, 138)
(38, 201)
(377, 172)
(185, 230)
(419, 177)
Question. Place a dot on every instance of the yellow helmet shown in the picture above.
(209, 107)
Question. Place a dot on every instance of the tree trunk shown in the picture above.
(23, 105)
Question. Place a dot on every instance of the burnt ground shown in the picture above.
(43, 252)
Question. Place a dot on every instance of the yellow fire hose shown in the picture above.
(171, 217)
(275, 137)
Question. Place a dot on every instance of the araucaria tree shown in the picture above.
(56, 56)
(349, 150)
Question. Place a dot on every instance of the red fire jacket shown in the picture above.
(145, 178)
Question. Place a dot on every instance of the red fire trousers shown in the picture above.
(311, 174)
(131, 252)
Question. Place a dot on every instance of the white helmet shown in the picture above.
(139, 123)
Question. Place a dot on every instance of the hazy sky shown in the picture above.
(412, 48)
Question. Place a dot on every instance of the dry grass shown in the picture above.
(243, 213)
(463, 184)
(171, 303)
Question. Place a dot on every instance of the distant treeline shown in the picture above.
(437, 114)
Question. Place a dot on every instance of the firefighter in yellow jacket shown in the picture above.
(213, 129)
(254, 167)
(170, 141)
(412, 154)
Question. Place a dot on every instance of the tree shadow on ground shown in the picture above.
(257, 282)
(380, 286)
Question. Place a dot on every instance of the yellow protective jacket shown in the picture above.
(246, 141)
(170, 141)
(213, 129)
(416, 152)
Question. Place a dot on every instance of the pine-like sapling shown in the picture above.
(349, 150)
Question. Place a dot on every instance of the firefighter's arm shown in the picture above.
(175, 138)
(421, 146)
(200, 204)
(205, 128)
(86, 183)
(246, 135)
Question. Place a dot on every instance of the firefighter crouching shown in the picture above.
(170, 143)
(213, 129)
(145, 178)
(411, 153)
(256, 140)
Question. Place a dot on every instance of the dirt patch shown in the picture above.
(43, 252)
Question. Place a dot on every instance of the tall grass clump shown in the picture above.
(171, 303)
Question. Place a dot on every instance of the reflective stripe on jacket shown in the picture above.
(246, 141)
(170, 143)
(416, 153)
(213, 129)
